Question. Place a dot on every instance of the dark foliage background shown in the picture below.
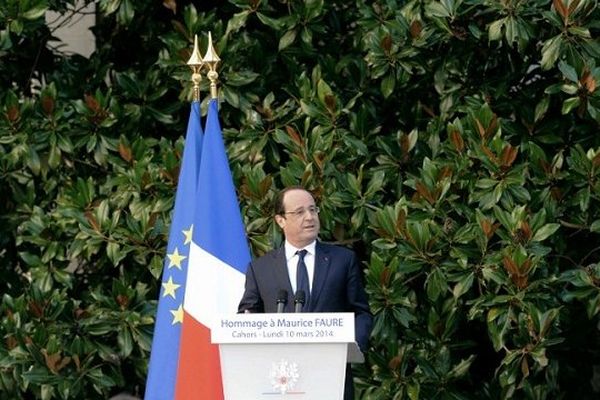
(454, 144)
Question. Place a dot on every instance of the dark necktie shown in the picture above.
(302, 277)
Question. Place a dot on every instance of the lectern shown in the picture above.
(300, 356)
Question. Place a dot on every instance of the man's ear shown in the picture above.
(280, 221)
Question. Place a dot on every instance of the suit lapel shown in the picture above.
(322, 260)
(282, 277)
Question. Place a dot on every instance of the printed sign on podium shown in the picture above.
(299, 356)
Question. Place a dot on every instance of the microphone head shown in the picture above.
(300, 297)
(282, 296)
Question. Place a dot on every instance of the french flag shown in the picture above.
(210, 246)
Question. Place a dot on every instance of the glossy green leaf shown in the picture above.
(287, 39)
(545, 231)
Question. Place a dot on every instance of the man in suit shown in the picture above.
(329, 275)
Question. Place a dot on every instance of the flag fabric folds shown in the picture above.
(215, 255)
(164, 357)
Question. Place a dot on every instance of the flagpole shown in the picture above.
(211, 59)
(195, 62)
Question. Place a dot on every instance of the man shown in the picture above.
(334, 279)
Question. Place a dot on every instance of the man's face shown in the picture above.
(300, 223)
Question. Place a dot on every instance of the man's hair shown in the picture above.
(278, 205)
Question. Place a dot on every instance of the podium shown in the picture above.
(300, 356)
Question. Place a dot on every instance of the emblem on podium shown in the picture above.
(284, 375)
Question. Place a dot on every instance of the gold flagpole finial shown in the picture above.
(211, 58)
(195, 62)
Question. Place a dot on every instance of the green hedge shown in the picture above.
(453, 144)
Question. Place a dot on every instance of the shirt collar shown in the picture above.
(290, 250)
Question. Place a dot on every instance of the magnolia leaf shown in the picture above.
(237, 21)
(495, 29)
(545, 231)
(551, 51)
(287, 39)
(570, 104)
(387, 85)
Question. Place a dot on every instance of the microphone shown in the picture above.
(299, 300)
(281, 300)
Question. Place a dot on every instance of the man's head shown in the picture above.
(297, 215)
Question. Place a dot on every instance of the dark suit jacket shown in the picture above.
(337, 286)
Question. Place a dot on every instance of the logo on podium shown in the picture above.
(284, 375)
